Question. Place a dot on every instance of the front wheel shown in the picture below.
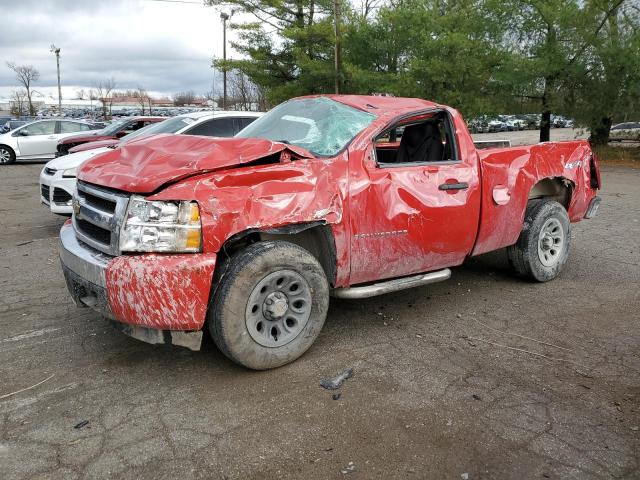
(270, 305)
(543, 246)
(7, 155)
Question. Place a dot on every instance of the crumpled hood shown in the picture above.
(145, 165)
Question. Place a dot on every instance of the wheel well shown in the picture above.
(559, 189)
(7, 146)
(316, 237)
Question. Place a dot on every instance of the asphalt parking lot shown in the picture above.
(528, 137)
(482, 377)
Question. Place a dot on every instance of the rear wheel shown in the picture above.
(270, 305)
(6, 155)
(543, 246)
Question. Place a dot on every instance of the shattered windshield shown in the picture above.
(320, 125)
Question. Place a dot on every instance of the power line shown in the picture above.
(177, 1)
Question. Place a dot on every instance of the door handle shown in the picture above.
(454, 186)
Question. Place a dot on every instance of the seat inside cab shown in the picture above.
(417, 140)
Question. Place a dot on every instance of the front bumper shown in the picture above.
(56, 192)
(152, 297)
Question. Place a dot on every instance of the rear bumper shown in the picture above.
(154, 298)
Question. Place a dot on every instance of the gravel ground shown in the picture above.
(484, 376)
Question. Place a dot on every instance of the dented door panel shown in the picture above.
(404, 220)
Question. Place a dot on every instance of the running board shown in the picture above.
(393, 285)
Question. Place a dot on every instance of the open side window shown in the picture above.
(419, 140)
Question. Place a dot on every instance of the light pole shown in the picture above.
(56, 50)
(224, 17)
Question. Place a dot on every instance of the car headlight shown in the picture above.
(152, 226)
(70, 173)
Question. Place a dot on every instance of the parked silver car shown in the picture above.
(37, 140)
(625, 131)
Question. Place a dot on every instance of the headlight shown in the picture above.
(70, 173)
(161, 227)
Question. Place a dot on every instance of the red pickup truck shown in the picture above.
(350, 196)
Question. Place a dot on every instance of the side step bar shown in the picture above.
(393, 285)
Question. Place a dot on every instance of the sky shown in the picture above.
(161, 46)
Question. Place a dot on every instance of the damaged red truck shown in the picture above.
(350, 196)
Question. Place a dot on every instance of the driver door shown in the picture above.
(412, 217)
(37, 139)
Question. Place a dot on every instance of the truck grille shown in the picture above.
(98, 216)
(44, 189)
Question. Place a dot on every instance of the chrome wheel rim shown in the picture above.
(5, 156)
(550, 242)
(278, 308)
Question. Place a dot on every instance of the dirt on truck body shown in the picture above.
(346, 195)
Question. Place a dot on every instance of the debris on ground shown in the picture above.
(336, 396)
(7, 395)
(476, 397)
(337, 381)
(465, 476)
(348, 469)
(83, 423)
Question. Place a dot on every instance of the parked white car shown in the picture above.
(58, 177)
(38, 140)
(625, 131)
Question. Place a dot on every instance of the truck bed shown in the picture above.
(509, 176)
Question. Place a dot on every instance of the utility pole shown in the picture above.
(224, 16)
(213, 81)
(56, 50)
(338, 47)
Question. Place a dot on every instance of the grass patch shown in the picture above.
(623, 155)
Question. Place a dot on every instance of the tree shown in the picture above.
(244, 94)
(548, 44)
(18, 100)
(181, 99)
(608, 90)
(104, 91)
(26, 75)
(80, 94)
(443, 50)
(288, 51)
(143, 98)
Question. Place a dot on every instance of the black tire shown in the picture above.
(536, 255)
(234, 323)
(7, 155)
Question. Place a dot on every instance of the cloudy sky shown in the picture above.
(161, 46)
